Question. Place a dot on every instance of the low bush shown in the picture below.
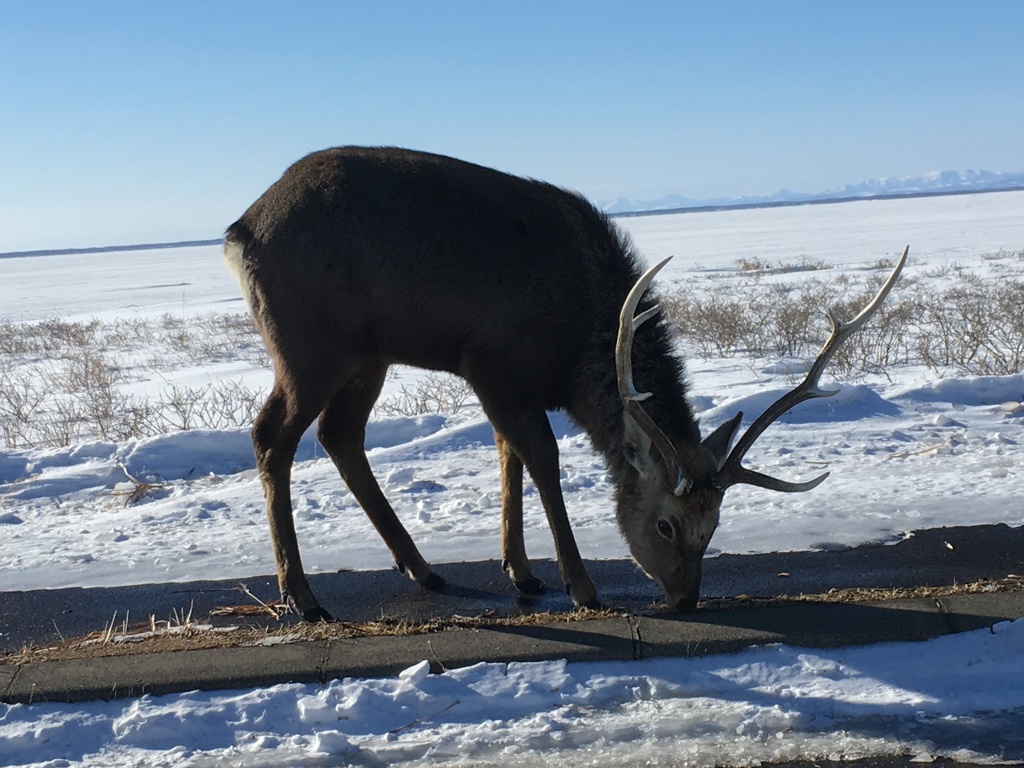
(960, 322)
(62, 382)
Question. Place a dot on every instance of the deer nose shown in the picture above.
(684, 604)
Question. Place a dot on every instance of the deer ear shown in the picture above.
(642, 454)
(638, 448)
(720, 441)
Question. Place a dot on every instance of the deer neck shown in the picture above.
(599, 410)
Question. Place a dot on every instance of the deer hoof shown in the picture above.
(317, 615)
(313, 614)
(434, 583)
(593, 603)
(531, 586)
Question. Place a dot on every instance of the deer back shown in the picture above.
(414, 258)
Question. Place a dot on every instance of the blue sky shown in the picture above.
(142, 121)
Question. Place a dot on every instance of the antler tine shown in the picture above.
(761, 480)
(732, 471)
(631, 398)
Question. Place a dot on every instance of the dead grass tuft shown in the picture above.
(183, 633)
(1009, 583)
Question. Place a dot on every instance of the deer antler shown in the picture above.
(631, 399)
(732, 471)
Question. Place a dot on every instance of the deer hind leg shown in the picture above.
(513, 549)
(275, 435)
(342, 432)
(527, 431)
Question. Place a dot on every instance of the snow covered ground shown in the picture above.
(907, 448)
(957, 696)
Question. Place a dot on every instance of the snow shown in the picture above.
(906, 449)
(771, 703)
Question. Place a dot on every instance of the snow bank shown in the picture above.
(772, 703)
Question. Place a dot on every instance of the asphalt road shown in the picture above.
(935, 557)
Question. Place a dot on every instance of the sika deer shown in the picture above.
(360, 258)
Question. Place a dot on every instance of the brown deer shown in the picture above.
(360, 258)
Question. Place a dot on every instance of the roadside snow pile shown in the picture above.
(960, 696)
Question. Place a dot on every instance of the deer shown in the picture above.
(360, 258)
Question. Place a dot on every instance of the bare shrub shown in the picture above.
(232, 404)
(1003, 254)
(805, 264)
(208, 338)
(1004, 340)
(794, 320)
(64, 381)
(966, 324)
(220, 405)
(957, 323)
(60, 334)
(717, 323)
(181, 407)
(129, 417)
(12, 339)
(86, 371)
(127, 332)
(117, 416)
(20, 403)
(65, 422)
(752, 316)
(46, 337)
(435, 393)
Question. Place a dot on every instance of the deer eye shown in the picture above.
(665, 529)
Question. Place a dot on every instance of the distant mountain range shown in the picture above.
(934, 183)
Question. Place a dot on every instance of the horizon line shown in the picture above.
(697, 208)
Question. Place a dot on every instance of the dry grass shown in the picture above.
(755, 264)
(183, 633)
(140, 638)
(1010, 583)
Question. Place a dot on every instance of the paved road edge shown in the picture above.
(813, 625)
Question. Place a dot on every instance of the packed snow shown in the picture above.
(959, 696)
(907, 448)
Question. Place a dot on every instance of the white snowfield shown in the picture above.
(907, 448)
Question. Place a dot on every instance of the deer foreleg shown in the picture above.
(513, 548)
(342, 432)
(528, 433)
